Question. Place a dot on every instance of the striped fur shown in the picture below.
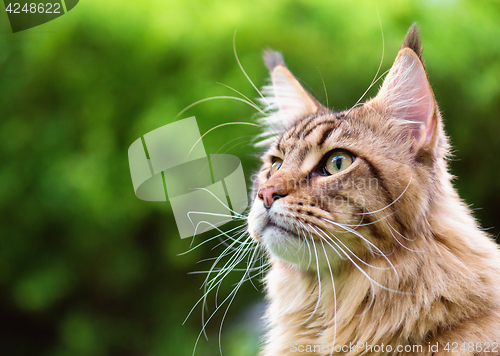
(383, 252)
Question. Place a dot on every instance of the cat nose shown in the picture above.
(269, 195)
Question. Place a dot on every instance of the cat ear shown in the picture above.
(406, 94)
(285, 100)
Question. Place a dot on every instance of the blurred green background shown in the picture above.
(86, 268)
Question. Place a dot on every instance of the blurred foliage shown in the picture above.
(86, 268)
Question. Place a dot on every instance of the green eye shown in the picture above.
(337, 161)
(277, 162)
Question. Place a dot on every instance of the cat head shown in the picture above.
(360, 182)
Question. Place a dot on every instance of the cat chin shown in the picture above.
(285, 244)
(288, 247)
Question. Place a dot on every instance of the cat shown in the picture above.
(372, 251)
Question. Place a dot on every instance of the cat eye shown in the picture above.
(277, 162)
(338, 161)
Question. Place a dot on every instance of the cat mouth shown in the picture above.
(282, 229)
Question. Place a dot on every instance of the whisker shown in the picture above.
(189, 213)
(213, 227)
(224, 242)
(319, 282)
(371, 279)
(208, 286)
(221, 125)
(238, 215)
(211, 283)
(375, 80)
(307, 243)
(367, 241)
(235, 145)
(404, 237)
(250, 263)
(367, 276)
(243, 70)
(314, 228)
(329, 235)
(235, 290)
(207, 240)
(393, 202)
(400, 243)
(265, 268)
(324, 86)
(254, 269)
(230, 262)
(354, 255)
(231, 295)
(227, 97)
(236, 91)
(334, 296)
(360, 224)
(234, 139)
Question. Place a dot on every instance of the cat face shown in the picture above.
(354, 184)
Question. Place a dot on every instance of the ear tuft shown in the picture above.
(285, 101)
(273, 59)
(412, 40)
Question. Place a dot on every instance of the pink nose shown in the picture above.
(269, 195)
